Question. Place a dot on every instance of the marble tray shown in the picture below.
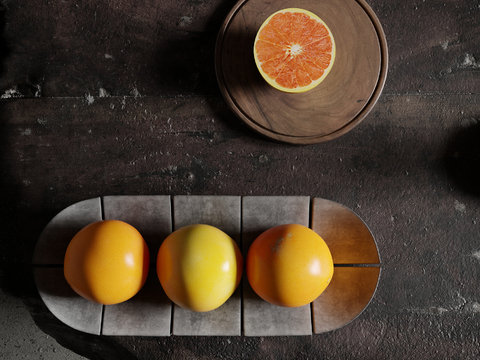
(151, 313)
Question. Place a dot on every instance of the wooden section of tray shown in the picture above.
(151, 313)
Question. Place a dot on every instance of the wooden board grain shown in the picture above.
(329, 110)
(349, 293)
(348, 238)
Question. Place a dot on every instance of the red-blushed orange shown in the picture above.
(107, 262)
(199, 267)
(289, 265)
(294, 50)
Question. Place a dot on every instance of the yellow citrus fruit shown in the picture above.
(289, 265)
(294, 50)
(107, 262)
(199, 267)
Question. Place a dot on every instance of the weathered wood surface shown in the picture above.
(166, 48)
(113, 98)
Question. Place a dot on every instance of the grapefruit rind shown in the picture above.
(314, 83)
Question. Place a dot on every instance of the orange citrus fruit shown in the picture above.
(294, 50)
(289, 265)
(199, 267)
(107, 262)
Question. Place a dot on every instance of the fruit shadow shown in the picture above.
(461, 159)
(237, 75)
(186, 65)
(48, 267)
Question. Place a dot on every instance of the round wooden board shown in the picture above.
(331, 109)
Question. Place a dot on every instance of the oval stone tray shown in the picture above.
(151, 313)
(331, 109)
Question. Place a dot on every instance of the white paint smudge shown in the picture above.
(135, 93)
(459, 304)
(108, 56)
(185, 20)
(468, 122)
(27, 132)
(459, 206)
(475, 307)
(467, 62)
(12, 93)
(470, 61)
(103, 93)
(89, 99)
(476, 254)
(38, 92)
(42, 121)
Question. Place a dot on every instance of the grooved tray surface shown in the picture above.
(151, 313)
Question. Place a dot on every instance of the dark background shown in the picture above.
(120, 97)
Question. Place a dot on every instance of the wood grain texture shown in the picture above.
(348, 294)
(166, 49)
(410, 169)
(106, 49)
(329, 110)
(348, 238)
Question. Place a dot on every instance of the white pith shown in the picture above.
(294, 50)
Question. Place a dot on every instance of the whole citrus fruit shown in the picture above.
(199, 267)
(107, 262)
(294, 50)
(289, 265)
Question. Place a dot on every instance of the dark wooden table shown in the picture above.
(120, 98)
